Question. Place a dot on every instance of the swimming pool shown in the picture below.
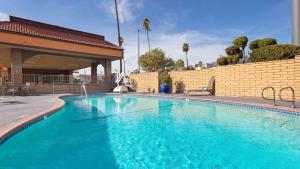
(132, 132)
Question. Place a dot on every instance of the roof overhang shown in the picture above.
(16, 40)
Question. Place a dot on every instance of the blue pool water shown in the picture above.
(132, 132)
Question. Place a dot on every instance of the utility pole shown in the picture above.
(119, 34)
(296, 22)
(139, 54)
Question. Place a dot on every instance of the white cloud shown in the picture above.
(4, 16)
(204, 47)
(127, 9)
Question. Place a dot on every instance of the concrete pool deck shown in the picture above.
(17, 112)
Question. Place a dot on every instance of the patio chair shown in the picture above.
(9, 88)
(209, 90)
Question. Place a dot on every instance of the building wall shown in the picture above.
(146, 81)
(242, 80)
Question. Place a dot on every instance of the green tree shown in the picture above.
(274, 52)
(254, 44)
(169, 64)
(186, 48)
(267, 42)
(152, 61)
(179, 64)
(241, 42)
(199, 64)
(146, 25)
(233, 50)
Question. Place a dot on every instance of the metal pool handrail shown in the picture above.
(293, 96)
(262, 94)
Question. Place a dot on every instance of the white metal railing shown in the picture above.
(47, 79)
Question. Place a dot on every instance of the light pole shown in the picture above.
(296, 22)
(139, 53)
(119, 34)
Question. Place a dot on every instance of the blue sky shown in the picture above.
(208, 25)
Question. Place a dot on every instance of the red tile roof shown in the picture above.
(38, 29)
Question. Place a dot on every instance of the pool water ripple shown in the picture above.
(129, 132)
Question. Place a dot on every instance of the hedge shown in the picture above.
(222, 61)
(274, 52)
(241, 41)
(233, 50)
(267, 42)
(254, 44)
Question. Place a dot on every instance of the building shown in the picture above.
(30, 49)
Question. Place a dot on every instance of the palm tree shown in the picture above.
(146, 25)
(120, 39)
(186, 48)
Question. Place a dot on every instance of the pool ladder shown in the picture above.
(293, 96)
(273, 99)
(280, 97)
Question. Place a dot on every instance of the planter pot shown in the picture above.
(164, 88)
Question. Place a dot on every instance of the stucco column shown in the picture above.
(107, 70)
(71, 79)
(94, 78)
(16, 66)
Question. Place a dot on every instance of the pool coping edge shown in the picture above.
(14, 127)
(281, 109)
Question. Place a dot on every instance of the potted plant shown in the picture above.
(164, 79)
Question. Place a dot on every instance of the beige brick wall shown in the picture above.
(146, 81)
(297, 77)
(243, 80)
(248, 80)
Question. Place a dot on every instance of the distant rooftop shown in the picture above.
(43, 30)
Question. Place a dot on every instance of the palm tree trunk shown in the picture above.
(148, 40)
(119, 34)
(187, 60)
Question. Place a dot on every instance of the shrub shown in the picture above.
(274, 52)
(222, 61)
(254, 44)
(199, 64)
(241, 41)
(164, 78)
(233, 59)
(180, 86)
(233, 50)
(267, 42)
